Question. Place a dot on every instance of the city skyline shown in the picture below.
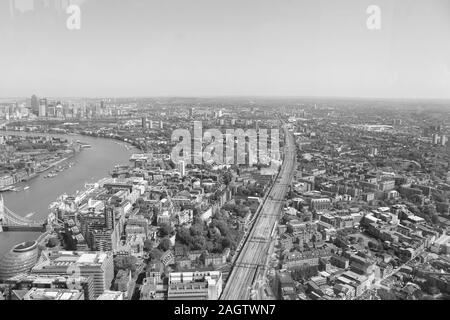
(175, 151)
(207, 49)
(360, 200)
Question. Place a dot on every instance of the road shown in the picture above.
(253, 256)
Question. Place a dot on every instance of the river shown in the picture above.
(91, 164)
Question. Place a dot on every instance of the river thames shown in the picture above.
(90, 165)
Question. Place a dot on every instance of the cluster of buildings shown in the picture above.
(367, 202)
(177, 225)
(46, 109)
(366, 216)
(23, 157)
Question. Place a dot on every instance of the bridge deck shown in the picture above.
(10, 221)
(23, 228)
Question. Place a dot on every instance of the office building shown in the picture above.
(182, 168)
(98, 265)
(42, 111)
(205, 285)
(34, 104)
(28, 281)
(111, 295)
(19, 260)
(53, 294)
(320, 204)
(144, 123)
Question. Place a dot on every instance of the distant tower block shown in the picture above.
(182, 168)
(144, 123)
(161, 125)
(374, 151)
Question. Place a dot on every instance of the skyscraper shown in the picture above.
(182, 168)
(34, 104)
(144, 123)
(43, 107)
(110, 218)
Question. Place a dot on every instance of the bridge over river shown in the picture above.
(10, 221)
(90, 165)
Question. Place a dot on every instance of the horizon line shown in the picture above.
(236, 96)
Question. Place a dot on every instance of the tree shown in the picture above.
(242, 211)
(165, 230)
(165, 244)
(441, 197)
(52, 242)
(386, 295)
(226, 242)
(222, 226)
(429, 210)
(435, 219)
(227, 177)
(184, 236)
(198, 229)
(195, 212)
(148, 245)
(155, 254)
(198, 243)
(373, 246)
(209, 246)
(214, 232)
(217, 245)
(125, 263)
(304, 272)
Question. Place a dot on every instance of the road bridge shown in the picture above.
(10, 221)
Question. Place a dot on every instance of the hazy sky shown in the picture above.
(227, 47)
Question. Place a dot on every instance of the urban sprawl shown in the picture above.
(354, 204)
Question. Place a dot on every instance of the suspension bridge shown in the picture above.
(10, 221)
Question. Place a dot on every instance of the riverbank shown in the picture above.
(92, 165)
(127, 144)
(14, 186)
(54, 164)
(37, 152)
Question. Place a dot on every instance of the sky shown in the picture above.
(225, 48)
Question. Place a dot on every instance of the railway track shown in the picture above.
(252, 258)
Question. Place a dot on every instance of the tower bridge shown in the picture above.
(10, 221)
